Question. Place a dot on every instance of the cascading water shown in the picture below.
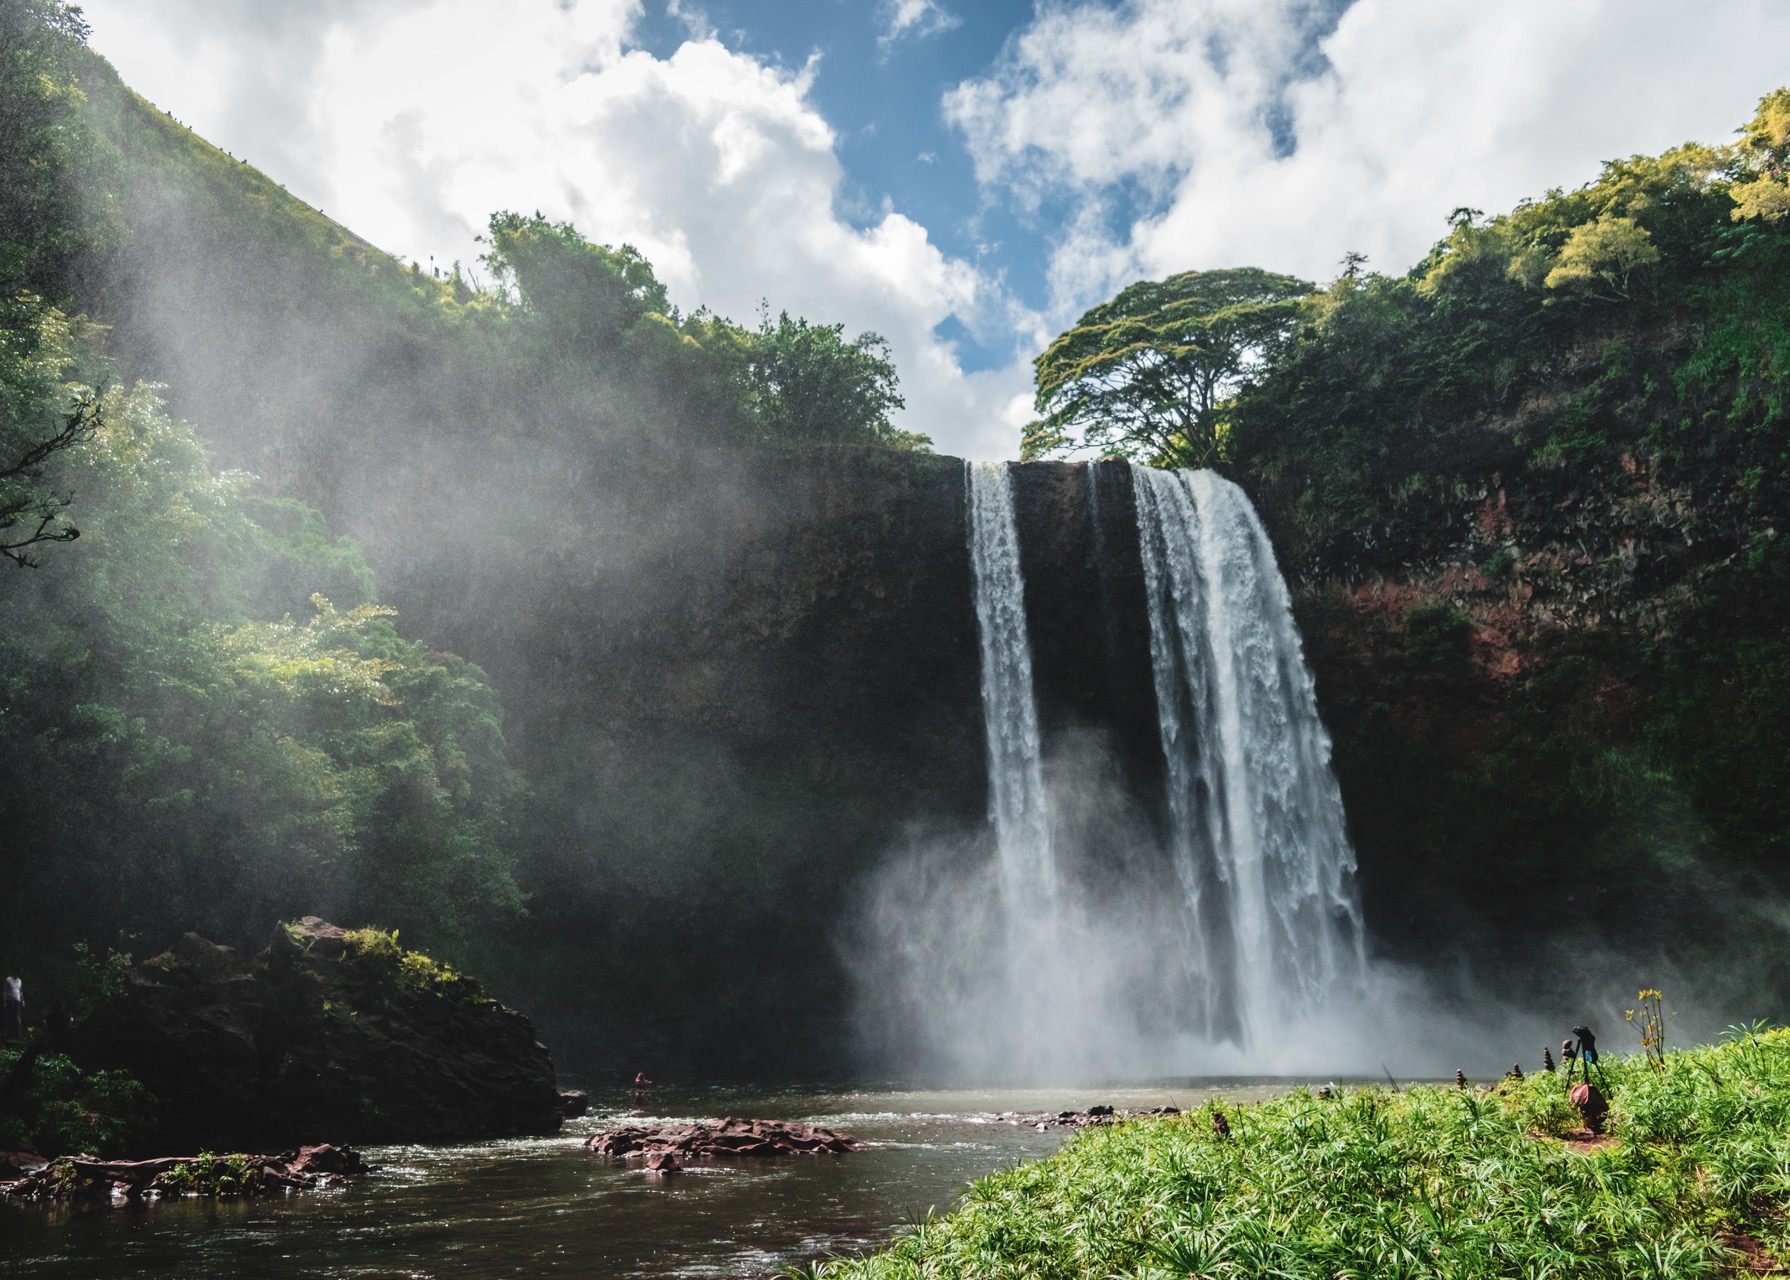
(1259, 842)
(1081, 951)
(1016, 800)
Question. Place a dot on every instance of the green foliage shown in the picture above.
(1421, 1182)
(53, 170)
(413, 971)
(178, 750)
(66, 1110)
(596, 309)
(588, 294)
(809, 385)
(1602, 256)
(40, 419)
(1762, 188)
(97, 979)
(213, 1176)
(173, 748)
(1145, 374)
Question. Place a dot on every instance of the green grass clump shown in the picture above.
(63, 1109)
(1376, 1184)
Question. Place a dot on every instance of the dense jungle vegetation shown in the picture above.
(1531, 495)
(206, 715)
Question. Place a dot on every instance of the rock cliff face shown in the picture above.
(326, 1035)
(1545, 677)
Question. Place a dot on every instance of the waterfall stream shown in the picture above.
(1132, 922)
(1016, 801)
(1258, 838)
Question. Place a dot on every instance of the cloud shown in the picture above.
(915, 18)
(413, 121)
(1165, 135)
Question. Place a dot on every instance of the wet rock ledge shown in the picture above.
(732, 1139)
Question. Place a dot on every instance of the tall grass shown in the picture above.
(1375, 1185)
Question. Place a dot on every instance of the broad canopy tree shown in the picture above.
(1145, 375)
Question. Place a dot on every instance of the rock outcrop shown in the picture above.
(83, 1178)
(326, 1035)
(731, 1139)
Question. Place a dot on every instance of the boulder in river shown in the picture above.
(573, 1102)
(327, 1034)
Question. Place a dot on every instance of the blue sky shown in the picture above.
(964, 179)
(884, 95)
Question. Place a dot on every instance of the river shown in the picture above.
(542, 1207)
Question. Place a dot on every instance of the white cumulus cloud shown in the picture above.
(1202, 133)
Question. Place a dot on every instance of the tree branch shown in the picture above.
(25, 499)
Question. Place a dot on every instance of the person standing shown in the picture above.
(12, 1009)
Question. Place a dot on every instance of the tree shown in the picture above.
(589, 294)
(1762, 189)
(810, 384)
(1599, 257)
(1145, 375)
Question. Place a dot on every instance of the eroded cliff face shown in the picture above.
(1528, 663)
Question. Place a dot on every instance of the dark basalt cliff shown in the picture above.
(1553, 685)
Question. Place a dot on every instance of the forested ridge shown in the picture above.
(1531, 493)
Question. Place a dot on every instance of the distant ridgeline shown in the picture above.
(1527, 498)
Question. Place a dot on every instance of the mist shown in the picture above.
(949, 988)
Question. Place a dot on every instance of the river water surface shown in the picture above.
(542, 1207)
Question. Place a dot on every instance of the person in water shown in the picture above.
(642, 1086)
(12, 1016)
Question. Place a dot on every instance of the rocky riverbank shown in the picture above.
(115, 1181)
(1092, 1117)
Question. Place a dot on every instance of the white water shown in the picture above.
(1084, 950)
(1258, 837)
(1017, 805)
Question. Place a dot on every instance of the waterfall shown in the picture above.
(1016, 801)
(1256, 819)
